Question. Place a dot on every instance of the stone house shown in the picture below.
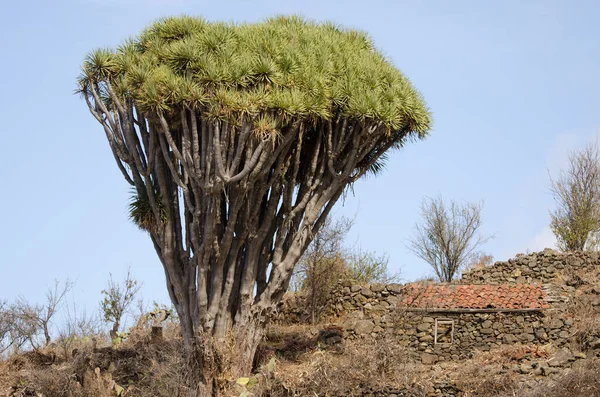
(443, 322)
(518, 301)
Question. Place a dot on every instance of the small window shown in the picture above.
(443, 332)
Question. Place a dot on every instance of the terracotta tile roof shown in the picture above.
(505, 296)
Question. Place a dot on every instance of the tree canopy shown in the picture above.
(283, 68)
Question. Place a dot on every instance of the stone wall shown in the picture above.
(373, 300)
(375, 311)
(538, 267)
(471, 331)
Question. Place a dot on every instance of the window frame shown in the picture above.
(443, 321)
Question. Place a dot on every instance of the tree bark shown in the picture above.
(233, 209)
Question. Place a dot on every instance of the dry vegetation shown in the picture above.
(310, 360)
(584, 308)
(304, 365)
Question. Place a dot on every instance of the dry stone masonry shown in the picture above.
(539, 267)
(518, 301)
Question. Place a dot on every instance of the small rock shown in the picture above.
(509, 339)
(423, 327)
(561, 358)
(563, 334)
(428, 359)
(541, 334)
(364, 327)
(525, 368)
(394, 288)
(366, 292)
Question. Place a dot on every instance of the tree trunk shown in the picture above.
(212, 357)
(46, 335)
(114, 332)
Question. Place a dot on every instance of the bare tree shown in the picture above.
(117, 300)
(448, 235)
(30, 324)
(5, 340)
(54, 299)
(576, 220)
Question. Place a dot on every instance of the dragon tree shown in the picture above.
(238, 140)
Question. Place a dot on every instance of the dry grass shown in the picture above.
(511, 354)
(304, 367)
(363, 366)
(491, 373)
(586, 316)
(580, 382)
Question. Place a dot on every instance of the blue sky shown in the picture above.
(512, 85)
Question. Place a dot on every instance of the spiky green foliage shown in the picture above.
(284, 67)
(140, 210)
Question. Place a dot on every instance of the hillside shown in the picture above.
(556, 352)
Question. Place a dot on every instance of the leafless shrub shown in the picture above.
(5, 341)
(479, 260)
(29, 325)
(448, 235)
(77, 330)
